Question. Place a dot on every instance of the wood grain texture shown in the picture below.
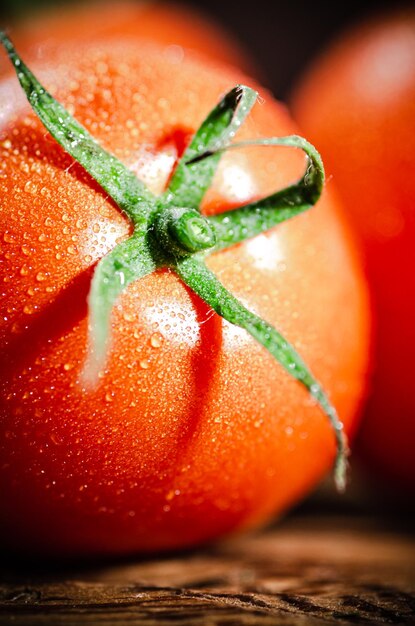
(307, 570)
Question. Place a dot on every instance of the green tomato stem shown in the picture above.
(181, 231)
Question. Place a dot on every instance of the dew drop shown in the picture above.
(129, 317)
(144, 364)
(40, 277)
(55, 439)
(156, 340)
(30, 187)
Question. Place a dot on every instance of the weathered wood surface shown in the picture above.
(307, 570)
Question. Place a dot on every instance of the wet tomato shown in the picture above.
(193, 430)
(358, 104)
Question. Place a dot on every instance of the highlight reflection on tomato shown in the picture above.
(193, 430)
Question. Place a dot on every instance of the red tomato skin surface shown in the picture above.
(179, 29)
(357, 103)
(194, 430)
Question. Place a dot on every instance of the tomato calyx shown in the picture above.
(169, 230)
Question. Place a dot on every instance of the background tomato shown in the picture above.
(194, 430)
(357, 103)
(169, 24)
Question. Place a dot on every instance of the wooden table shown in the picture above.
(308, 569)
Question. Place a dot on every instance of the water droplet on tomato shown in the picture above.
(129, 317)
(55, 439)
(30, 187)
(156, 340)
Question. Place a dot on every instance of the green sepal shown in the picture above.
(205, 284)
(191, 180)
(251, 219)
(129, 261)
(114, 177)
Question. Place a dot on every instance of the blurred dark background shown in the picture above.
(280, 36)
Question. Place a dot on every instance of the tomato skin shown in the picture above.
(194, 430)
(357, 102)
(169, 24)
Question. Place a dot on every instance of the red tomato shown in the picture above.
(357, 103)
(170, 24)
(194, 430)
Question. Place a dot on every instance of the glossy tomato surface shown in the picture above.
(358, 105)
(193, 430)
(180, 29)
